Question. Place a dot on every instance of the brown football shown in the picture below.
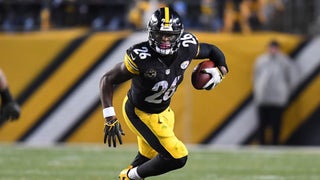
(198, 78)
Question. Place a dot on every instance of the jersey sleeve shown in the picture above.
(130, 64)
(213, 53)
(191, 43)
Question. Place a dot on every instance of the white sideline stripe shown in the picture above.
(239, 129)
(72, 108)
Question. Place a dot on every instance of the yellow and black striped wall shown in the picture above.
(55, 75)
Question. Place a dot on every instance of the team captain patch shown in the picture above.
(150, 74)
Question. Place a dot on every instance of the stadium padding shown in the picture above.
(28, 54)
(56, 86)
(302, 107)
(25, 55)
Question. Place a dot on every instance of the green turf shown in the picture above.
(95, 162)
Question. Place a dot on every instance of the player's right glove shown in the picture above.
(112, 131)
(216, 78)
(9, 111)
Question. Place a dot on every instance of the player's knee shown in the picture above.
(177, 163)
(173, 163)
(178, 150)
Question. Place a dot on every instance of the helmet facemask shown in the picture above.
(165, 34)
(165, 43)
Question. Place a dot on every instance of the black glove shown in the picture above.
(112, 131)
(9, 111)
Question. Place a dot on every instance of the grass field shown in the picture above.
(95, 162)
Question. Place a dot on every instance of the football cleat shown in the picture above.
(124, 174)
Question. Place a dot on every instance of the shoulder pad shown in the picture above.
(135, 55)
(140, 51)
(189, 44)
(188, 39)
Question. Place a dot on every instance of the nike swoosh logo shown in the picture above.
(132, 57)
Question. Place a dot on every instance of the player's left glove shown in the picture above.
(112, 131)
(216, 77)
(9, 111)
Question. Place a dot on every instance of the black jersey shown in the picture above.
(157, 77)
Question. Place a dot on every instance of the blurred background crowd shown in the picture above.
(291, 16)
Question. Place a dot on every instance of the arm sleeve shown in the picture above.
(213, 53)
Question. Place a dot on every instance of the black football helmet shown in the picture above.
(165, 29)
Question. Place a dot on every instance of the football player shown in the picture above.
(156, 68)
(9, 109)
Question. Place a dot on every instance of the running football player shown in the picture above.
(156, 68)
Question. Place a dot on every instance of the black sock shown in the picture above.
(139, 159)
